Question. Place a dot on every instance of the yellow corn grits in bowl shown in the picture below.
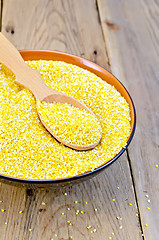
(28, 151)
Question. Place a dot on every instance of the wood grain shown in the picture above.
(133, 52)
(66, 26)
(0, 14)
(55, 25)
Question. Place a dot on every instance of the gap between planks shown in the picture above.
(135, 193)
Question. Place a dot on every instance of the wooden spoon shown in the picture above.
(31, 79)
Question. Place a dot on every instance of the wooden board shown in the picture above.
(131, 36)
(66, 26)
(0, 14)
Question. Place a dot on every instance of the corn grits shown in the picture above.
(28, 151)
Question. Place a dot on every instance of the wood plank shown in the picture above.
(66, 26)
(133, 50)
(55, 30)
(0, 14)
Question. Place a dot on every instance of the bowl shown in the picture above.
(103, 74)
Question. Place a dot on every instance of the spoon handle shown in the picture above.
(25, 76)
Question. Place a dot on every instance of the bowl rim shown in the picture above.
(96, 67)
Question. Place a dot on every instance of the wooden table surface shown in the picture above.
(123, 37)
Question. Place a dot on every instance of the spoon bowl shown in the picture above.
(58, 97)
